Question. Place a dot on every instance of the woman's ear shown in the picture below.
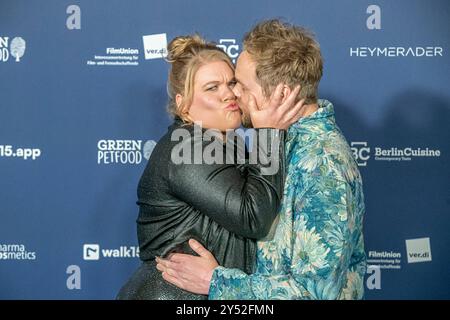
(178, 99)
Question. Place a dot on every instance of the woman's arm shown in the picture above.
(244, 199)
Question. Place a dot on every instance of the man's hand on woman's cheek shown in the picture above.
(190, 273)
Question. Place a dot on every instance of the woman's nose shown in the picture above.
(229, 95)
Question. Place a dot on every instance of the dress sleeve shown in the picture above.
(243, 198)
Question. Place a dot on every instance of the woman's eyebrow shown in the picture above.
(211, 82)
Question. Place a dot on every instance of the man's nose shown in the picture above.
(237, 91)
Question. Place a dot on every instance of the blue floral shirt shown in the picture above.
(317, 251)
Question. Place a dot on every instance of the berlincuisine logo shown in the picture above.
(363, 152)
(406, 154)
(230, 47)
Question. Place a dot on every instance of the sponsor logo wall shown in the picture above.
(83, 103)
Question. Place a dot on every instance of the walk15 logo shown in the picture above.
(93, 252)
(418, 250)
(9, 151)
(16, 252)
(362, 153)
(123, 151)
(14, 48)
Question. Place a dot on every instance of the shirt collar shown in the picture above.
(325, 109)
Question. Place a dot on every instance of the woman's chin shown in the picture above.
(233, 119)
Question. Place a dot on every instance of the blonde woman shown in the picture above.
(226, 207)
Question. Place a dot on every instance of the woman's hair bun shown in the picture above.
(184, 47)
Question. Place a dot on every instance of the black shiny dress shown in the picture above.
(226, 207)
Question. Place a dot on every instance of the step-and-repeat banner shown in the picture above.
(82, 105)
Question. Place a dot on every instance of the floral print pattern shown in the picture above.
(317, 251)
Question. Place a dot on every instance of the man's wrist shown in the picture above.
(213, 273)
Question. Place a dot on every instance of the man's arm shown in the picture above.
(324, 233)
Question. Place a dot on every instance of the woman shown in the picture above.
(226, 207)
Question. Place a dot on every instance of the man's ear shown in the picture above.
(285, 93)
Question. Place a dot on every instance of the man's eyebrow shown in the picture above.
(239, 81)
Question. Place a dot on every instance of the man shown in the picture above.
(317, 250)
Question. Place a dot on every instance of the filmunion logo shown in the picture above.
(15, 252)
(385, 259)
(418, 250)
(116, 57)
(93, 252)
(123, 151)
(155, 46)
(230, 47)
(15, 48)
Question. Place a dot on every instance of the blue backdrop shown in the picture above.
(82, 102)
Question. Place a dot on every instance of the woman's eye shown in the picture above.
(213, 88)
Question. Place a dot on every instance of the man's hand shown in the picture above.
(277, 114)
(189, 272)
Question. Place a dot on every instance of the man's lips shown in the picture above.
(232, 107)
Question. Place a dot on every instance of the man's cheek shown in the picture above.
(243, 103)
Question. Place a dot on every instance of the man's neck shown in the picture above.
(308, 109)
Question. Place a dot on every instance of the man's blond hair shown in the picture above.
(285, 53)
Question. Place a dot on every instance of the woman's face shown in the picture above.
(213, 102)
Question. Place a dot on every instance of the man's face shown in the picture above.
(247, 85)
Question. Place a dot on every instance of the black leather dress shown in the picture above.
(226, 207)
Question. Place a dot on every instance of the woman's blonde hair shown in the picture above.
(187, 54)
(285, 53)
